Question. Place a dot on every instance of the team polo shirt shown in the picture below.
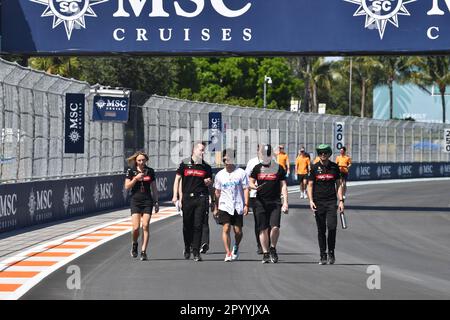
(302, 163)
(343, 162)
(324, 179)
(193, 176)
(283, 159)
(137, 192)
(231, 186)
(269, 178)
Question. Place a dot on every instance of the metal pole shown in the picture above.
(264, 92)
(350, 90)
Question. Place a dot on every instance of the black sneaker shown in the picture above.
(331, 257)
(323, 259)
(259, 250)
(204, 248)
(134, 250)
(187, 253)
(266, 257)
(273, 255)
(197, 257)
(144, 256)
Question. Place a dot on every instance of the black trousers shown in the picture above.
(205, 227)
(194, 214)
(326, 218)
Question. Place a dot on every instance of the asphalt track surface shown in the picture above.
(403, 228)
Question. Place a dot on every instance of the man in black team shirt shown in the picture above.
(324, 180)
(271, 179)
(196, 177)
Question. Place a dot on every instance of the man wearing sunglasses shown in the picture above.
(324, 189)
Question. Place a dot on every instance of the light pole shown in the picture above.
(350, 90)
(267, 80)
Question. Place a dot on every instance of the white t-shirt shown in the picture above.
(231, 186)
(250, 165)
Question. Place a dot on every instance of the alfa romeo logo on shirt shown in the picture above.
(70, 12)
(380, 12)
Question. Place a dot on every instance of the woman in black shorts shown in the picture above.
(144, 195)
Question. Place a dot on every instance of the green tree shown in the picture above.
(64, 66)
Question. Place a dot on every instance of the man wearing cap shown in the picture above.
(271, 185)
(324, 190)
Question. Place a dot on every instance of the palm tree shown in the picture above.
(431, 71)
(363, 73)
(317, 75)
(392, 69)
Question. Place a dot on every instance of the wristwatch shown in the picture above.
(341, 200)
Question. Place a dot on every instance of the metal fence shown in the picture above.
(172, 125)
(32, 107)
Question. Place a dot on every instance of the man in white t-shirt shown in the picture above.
(252, 203)
(232, 196)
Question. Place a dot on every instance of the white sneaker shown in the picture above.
(306, 195)
(235, 253)
(227, 258)
(302, 195)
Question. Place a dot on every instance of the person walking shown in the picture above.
(144, 196)
(283, 160)
(344, 162)
(271, 185)
(302, 167)
(196, 177)
(324, 190)
(232, 196)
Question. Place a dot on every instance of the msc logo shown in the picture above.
(362, 172)
(70, 12)
(380, 12)
(39, 201)
(426, 170)
(384, 171)
(8, 205)
(404, 170)
(104, 191)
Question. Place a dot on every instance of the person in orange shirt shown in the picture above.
(283, 160)
(344, 162)
(302, 167)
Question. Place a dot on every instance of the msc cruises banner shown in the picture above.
(110, 109)
(225, 26)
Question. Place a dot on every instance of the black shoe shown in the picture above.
(331, 257)
(134, 250)
(259, 250)
(143, 256)
(204, 248)
(187, 253)
(266, 257)
(197, 257)
(273, 255)
(323, 259)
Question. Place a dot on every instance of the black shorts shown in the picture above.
(344, 175)
(235, 219)
(141, 206)
(301, 177)
(268, 214)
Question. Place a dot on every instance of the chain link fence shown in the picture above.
(32, 107)
(172, 125)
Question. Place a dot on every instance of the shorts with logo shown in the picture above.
(141, 206)
(268, 214)
(235, 219)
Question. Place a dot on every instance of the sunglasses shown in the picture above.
(322, 152)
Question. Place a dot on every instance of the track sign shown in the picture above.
(447, 140)
(339, 141)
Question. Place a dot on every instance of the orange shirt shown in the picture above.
(283, 159)
(343, 162)
(302, 163)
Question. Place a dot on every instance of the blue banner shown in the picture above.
(110, 109)
(74, 123)
(224, 26)
(215, 131)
